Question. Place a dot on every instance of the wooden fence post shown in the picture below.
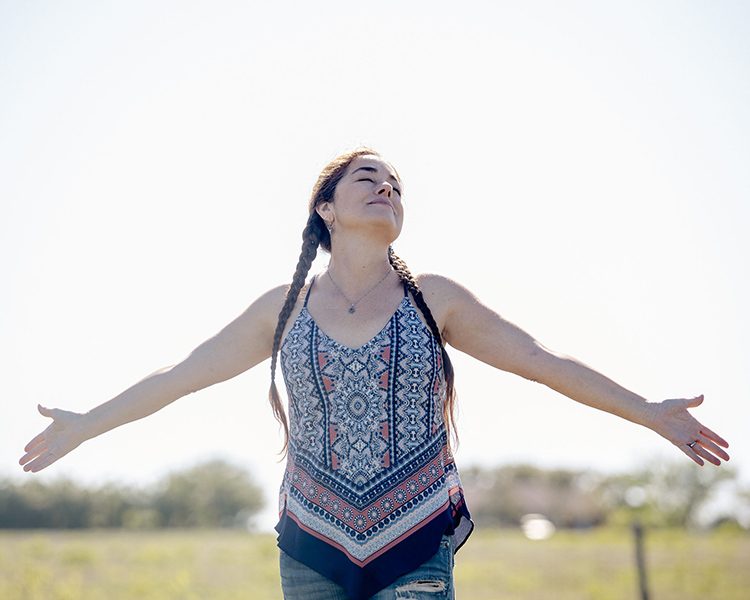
(640, 559)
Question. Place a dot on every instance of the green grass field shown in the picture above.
(494, 564)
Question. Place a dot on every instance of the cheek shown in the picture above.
(399, 208)
(343, 197)
(400, 219)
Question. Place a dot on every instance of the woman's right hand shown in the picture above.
(240, 345)
(65, 433)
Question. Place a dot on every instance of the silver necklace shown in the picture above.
(352, 305)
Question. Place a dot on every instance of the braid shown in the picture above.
(314, 235)
(311, 235)
(450, 397)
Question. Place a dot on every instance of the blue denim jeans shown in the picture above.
(432, 580)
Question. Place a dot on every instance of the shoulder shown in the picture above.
(259, 320)
(443, 296)
(273, 300)
(270, 305)
(434, 281)
(441, 288)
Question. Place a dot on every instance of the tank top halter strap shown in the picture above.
(309, 289)
(312, 281)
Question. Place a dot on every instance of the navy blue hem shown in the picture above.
(362, 582)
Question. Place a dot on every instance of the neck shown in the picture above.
(358, 267)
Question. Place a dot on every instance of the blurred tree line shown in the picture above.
(661, 495)
(218, 494)
(212, 494)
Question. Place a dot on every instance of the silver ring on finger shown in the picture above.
(693, 443)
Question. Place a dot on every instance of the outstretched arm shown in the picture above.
(472, 327)
(242, 344)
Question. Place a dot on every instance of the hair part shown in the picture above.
(316, 234)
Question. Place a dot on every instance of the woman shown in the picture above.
(371, 503)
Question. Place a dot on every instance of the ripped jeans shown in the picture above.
(432, 580)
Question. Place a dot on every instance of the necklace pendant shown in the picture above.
(351, 310)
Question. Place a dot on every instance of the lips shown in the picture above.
(381, 202)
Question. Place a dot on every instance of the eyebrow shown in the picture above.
(374, 170)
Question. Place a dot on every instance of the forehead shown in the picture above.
(373, 162)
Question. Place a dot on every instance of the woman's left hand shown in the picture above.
(671, 420)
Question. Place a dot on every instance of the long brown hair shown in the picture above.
(316, 234)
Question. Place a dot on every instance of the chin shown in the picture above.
(393, 236)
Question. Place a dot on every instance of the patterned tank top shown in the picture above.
(370, 485)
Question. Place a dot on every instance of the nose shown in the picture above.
(385, 189)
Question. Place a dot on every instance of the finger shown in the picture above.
(691, 454)
(703, 453)
(714, 436)
(31, 454)
(38, 439)
(693, 402)
(40, 463)
(37, 448)
(41, 440)
(711, 447)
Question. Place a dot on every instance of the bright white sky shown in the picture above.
(581, 166)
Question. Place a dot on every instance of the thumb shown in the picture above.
(693, 402)
(47, 412)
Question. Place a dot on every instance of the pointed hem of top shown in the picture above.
(362, 582)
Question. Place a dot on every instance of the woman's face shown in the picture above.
(368, 197)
